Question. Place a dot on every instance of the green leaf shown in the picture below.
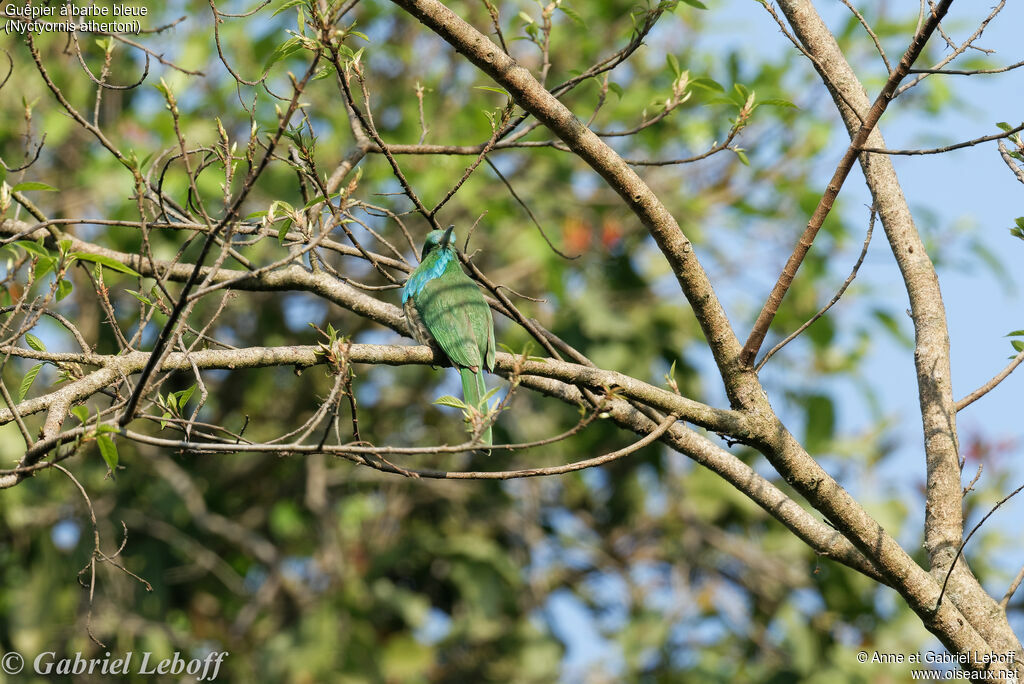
(1018, 345)
(285, 6)
(34, 342)
(288, 209)
(35, 248)
(494, 90)
(743, 156)
(283, 51)
(100, 259)
(324, 72)
(145, 160)
(282, 232)
(81, 412)
(696, 3)
(108, 450)
(615, 88)
(1015, 333)
(347, 54)
(107, 428)
(573, 14)
(1018, 230)
(32, 185)
(64, 288)
(449, 400)
(184, 395)
(707, 84)
(320, 198)
(141, 297)
(778, 102)
(27, 381)
(43, 266)
(673, 64)
(1003, 126)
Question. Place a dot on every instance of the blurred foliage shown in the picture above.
(308, 569)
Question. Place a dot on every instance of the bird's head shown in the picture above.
(438, 239)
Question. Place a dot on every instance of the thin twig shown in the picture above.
(419, 107)
(839, 294)
(1014, 166)
(529, 212)
(183, 298)
(969, 72)
(870, 32)
(506, 114)
(991, 384)
(947, 148)
(977, 527)
(369, 457)
(493, 11)
(955, 51)
(1012, 589)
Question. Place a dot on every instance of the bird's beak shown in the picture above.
(447, 236)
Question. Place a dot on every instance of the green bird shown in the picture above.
(445, 309)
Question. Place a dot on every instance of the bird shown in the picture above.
(445, 309)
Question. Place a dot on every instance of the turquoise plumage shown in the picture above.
(446, 310)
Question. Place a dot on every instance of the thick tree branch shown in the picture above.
(303, 356)
(944, 518)
(292, 277)
(554, 378)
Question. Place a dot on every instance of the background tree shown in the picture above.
(212, 404)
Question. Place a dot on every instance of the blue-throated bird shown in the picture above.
(445, 309)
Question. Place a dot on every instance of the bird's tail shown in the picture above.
(473, 392)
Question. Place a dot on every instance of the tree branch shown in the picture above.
(944, 517)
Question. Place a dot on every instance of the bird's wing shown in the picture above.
(488, 357)
(417, 329)
(487, 333)
(458, 318)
